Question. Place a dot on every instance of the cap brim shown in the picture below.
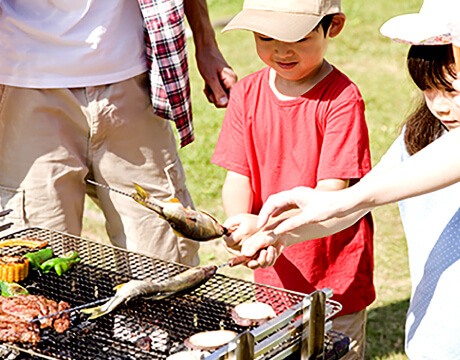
(288, 27)
(416, 29)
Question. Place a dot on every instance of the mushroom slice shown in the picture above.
(209, 340)
(252, 313)
(188, 355)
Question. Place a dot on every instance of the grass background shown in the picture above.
(377, 66)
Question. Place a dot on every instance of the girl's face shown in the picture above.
(442, 104)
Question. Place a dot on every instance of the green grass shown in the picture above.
(377, 66)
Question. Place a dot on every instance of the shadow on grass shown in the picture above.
(385, 331)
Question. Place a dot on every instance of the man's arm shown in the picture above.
(217, 74)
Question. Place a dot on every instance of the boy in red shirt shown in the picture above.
(300, 122)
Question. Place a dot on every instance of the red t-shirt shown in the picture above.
(283, 144)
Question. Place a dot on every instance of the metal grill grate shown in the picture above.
(142, 329)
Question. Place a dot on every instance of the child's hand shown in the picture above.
(241, 227)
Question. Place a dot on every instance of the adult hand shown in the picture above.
(264, 247)
(315, 206)
(218, 76)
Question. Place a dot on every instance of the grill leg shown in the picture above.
(313, 347)
(244, 347)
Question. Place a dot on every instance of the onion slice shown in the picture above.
(252, 313)
(209, 340)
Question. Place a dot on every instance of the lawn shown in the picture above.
(377, 66)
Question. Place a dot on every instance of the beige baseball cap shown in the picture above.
(284, 20)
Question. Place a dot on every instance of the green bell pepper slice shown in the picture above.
(60, 264)
(39, 257)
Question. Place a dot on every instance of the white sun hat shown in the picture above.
(430, 26)
(284, 20)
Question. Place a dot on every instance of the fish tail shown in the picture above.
(101, 310)
(95, 312)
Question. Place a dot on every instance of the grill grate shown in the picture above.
(142, 329)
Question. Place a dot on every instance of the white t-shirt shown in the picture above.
(432, 227)
(70, 43)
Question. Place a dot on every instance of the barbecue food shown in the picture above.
(12, 289)
(188, 355)
(61, 264)
(186, 280)
(13, 268)
(24, 241)
(37, 258)
(17, 311)
(209, 340)
(185, 222)
(252, 313)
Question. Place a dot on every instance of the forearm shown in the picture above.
(236, 194)
(197, 15)
(435, 167)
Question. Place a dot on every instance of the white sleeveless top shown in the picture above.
(70, 43)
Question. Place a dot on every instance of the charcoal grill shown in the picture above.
(156, 329)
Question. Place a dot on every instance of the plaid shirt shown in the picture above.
(164, 22)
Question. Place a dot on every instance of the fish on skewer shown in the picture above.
(185, 222)
(187, 280)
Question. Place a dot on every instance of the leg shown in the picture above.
(130, 144)
(354, 326)
(43, 137)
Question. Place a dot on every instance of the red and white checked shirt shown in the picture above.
(164, 22)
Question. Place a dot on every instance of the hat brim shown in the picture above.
(416, 29)
(288, 27)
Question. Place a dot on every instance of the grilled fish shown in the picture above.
(186, 280)
(185, 222)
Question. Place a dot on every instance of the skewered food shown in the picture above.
(24, 241)
(13, 268)
(17, 311)
(209, 340)
(186, 280)
(185, 222)
(252, 313)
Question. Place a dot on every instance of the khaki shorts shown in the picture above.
(51, 140)
(354, 326)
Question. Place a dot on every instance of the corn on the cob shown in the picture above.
(13, 268)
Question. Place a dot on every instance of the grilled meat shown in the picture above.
(16, 311)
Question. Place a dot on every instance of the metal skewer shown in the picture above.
(70, 310)
(2, 214)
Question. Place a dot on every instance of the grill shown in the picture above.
(156, 329)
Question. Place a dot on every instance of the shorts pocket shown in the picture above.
(11, 198)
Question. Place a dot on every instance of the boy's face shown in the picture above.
(293, 61)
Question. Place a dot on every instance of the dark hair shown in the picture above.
(430, 66)
(325, 23)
